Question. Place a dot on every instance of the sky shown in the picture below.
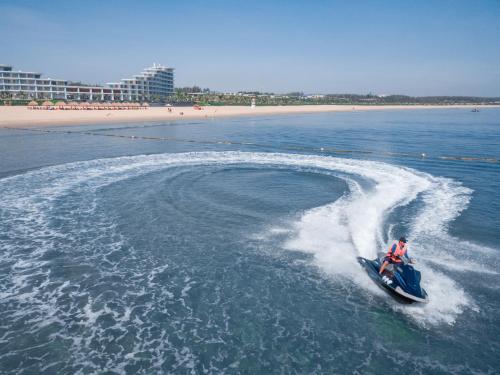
(421, 47)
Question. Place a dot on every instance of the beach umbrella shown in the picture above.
(72, 105)
(47, 103)
(32, 104)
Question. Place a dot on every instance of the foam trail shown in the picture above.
(335, 234)
(338, 232)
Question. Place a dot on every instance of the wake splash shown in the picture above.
(335, 234)
(353, 226)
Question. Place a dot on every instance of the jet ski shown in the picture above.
(402, 281)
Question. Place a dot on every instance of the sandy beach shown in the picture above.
(19, 116)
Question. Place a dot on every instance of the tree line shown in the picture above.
(204, 96)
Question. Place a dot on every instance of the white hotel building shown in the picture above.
(154, 82)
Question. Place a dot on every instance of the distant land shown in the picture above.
(186, 96)
(208, 97)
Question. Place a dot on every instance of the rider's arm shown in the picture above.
(393, 248)
(407, 256)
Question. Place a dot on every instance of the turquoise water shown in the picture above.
(230, 245)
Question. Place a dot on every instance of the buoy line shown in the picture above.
(331, 150)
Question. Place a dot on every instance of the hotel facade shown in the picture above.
(154, 82)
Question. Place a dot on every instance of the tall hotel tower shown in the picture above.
(153, 83)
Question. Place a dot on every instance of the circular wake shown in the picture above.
(40, 210)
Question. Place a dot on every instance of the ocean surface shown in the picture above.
(230, 245)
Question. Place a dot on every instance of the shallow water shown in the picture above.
(229, 246)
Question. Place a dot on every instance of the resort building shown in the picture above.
(153, 83)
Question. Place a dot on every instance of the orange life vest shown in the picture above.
(398, 253)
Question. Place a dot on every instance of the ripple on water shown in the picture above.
(84, 276)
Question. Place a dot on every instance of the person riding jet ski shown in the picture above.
(394, 274)
(395, 254)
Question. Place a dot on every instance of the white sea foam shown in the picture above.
(352, 226)
(334, 234)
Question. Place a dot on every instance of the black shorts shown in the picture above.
(390, 260)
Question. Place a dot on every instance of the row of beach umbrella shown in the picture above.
(85, 105)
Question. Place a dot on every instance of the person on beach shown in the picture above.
(395, 254)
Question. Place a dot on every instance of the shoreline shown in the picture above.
(21, 116)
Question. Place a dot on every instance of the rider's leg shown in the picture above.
(382, 268)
